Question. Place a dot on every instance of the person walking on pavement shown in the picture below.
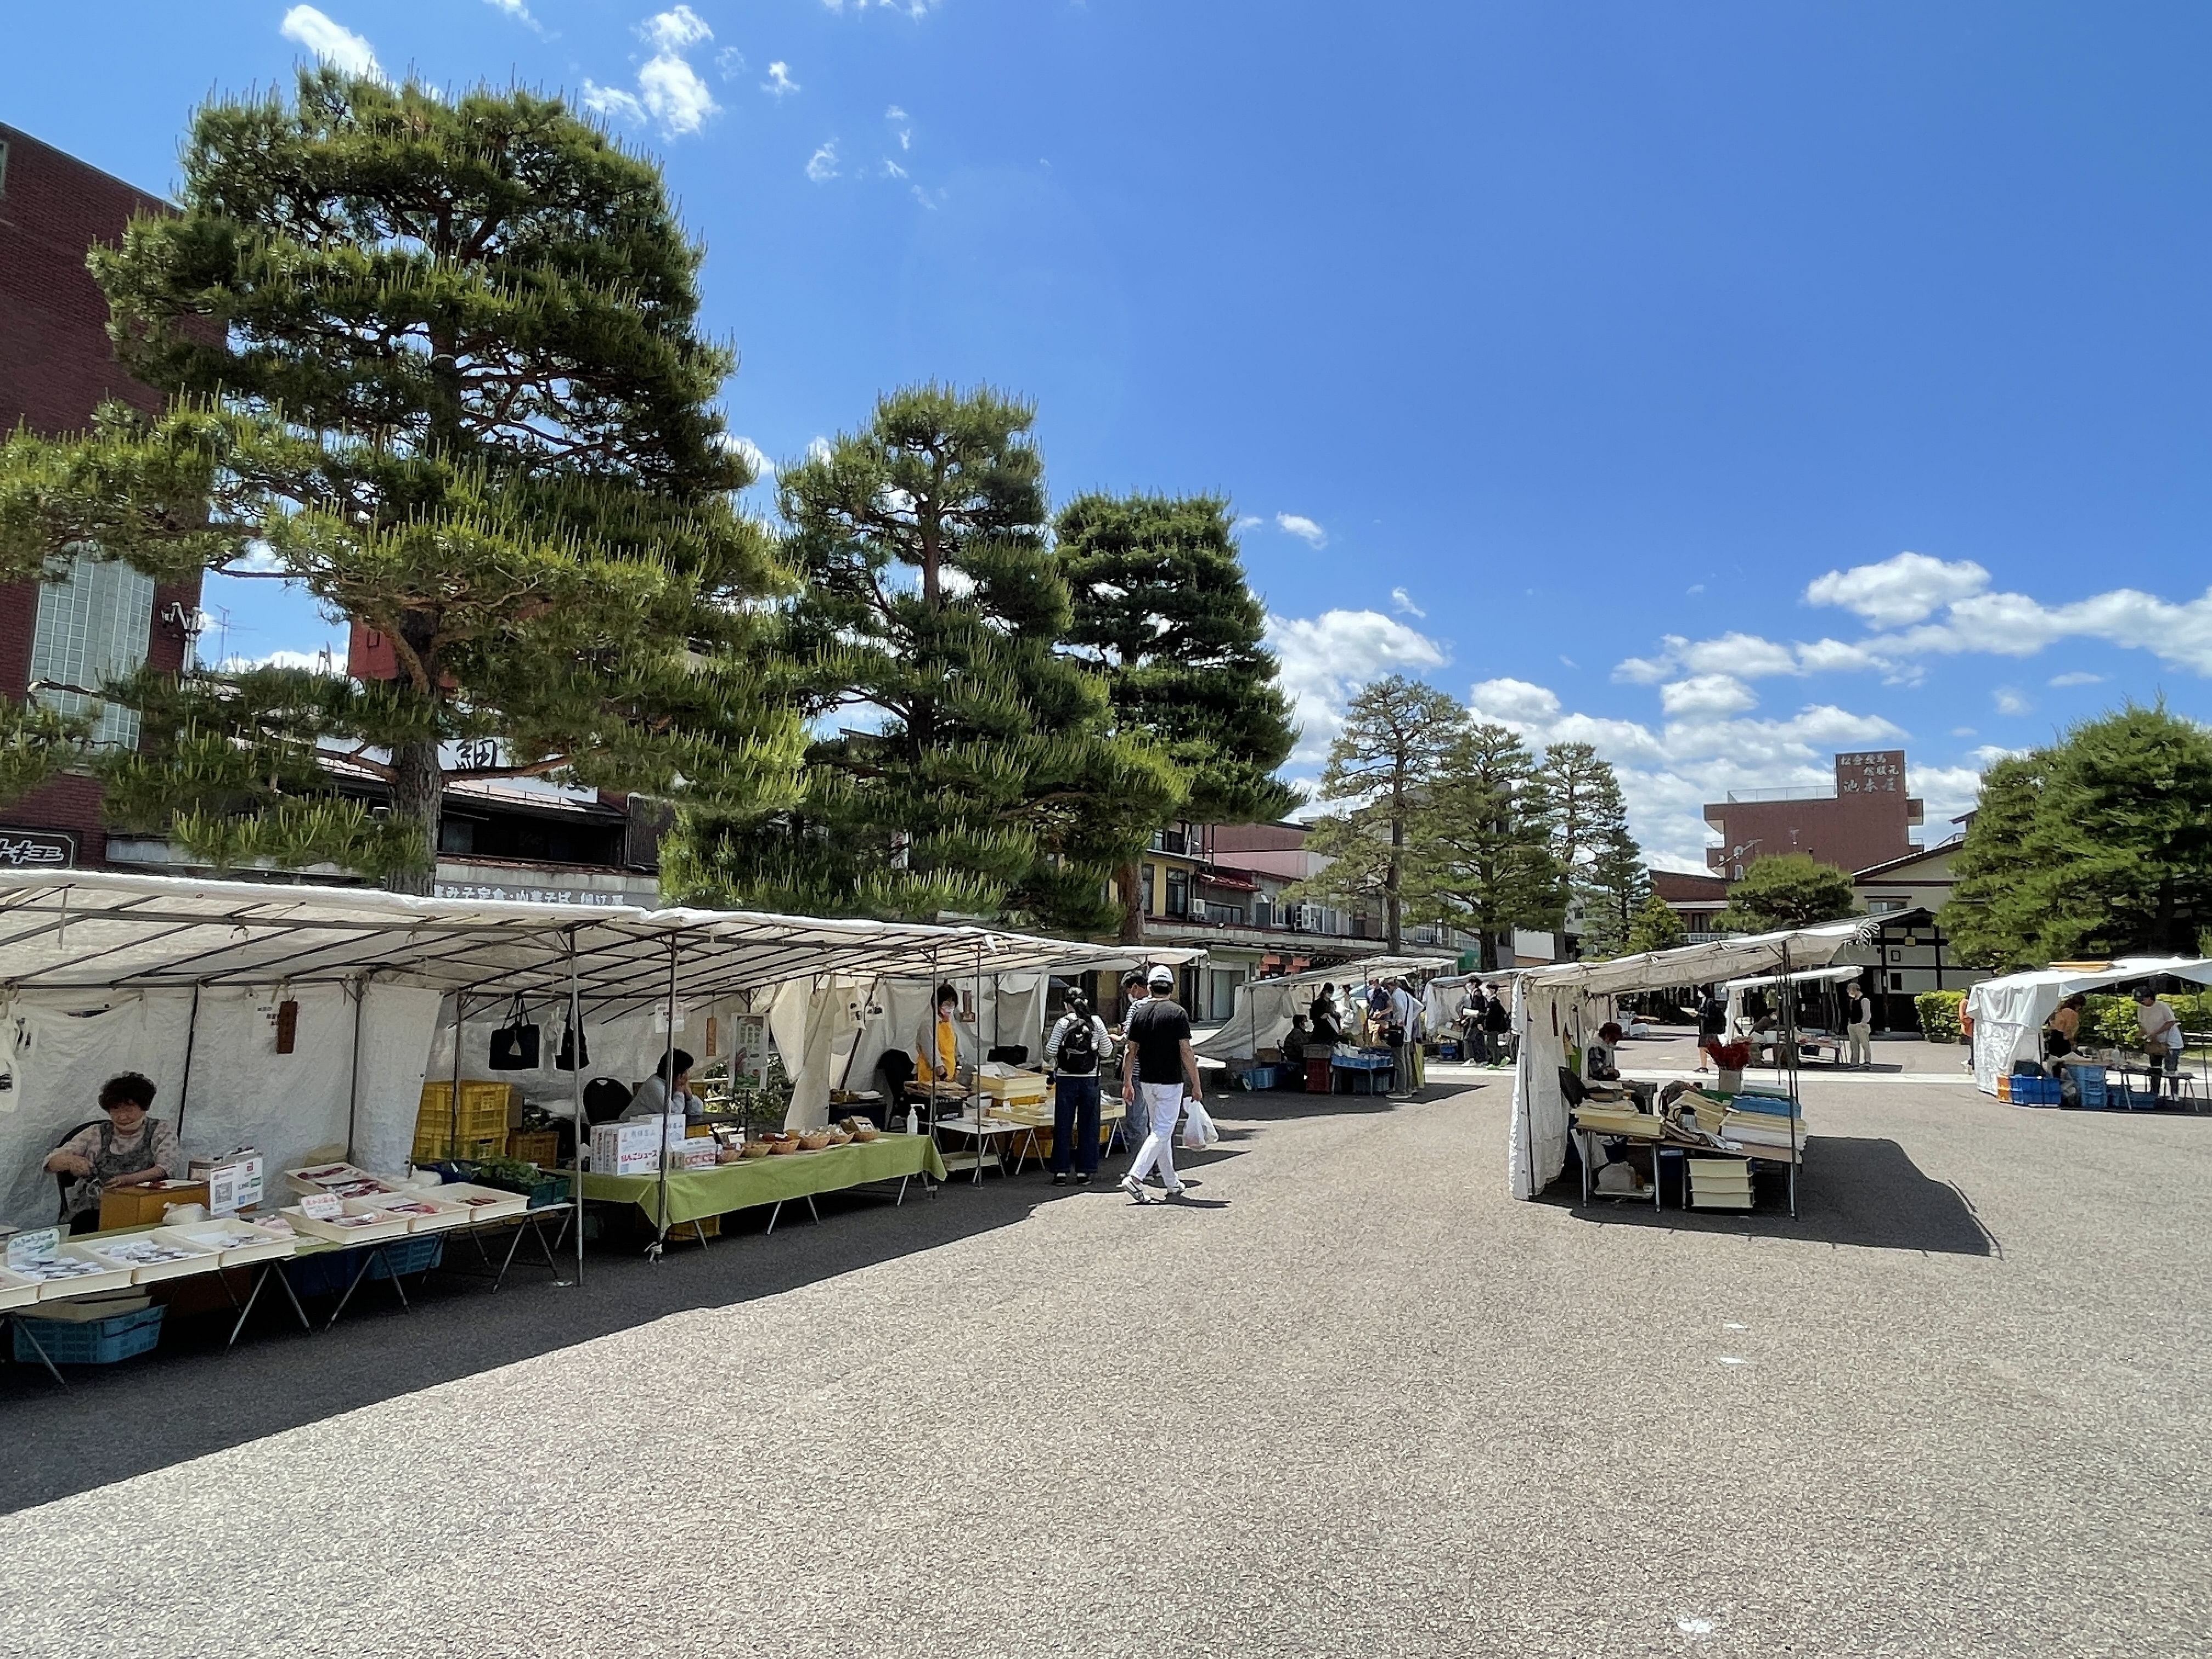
(1858, 1024)
(1078, 1046)
(1159, 1043)
(1401, 1018)
(1499, 1023)
(1471, 1014)
(1712, 1024)
(1133, 1123)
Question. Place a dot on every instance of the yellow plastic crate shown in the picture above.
(432, 1145)
(486, 1108)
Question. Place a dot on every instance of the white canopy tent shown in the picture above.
(1260, 1016)
(2009, 1013)
(1555, 1008)
(103, 972)
(1734, 989)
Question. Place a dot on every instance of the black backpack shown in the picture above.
(1078, 1050)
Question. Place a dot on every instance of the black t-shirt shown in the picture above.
(1158, 1029)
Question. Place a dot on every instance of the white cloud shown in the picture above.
(1963, 732)
(515, 9)
(315, 662)
(778, 82)
(916, 9)
(931, 200)
(333, 43)
(818, 449)
(2009, 702)
(669, 90)
(902, 125)
(1670, 772)
(1402, 603)
(729, 63)
(2077, 678)
(612, 100)
(1303, 527)
(892, 169)
(1948, 792)
(1326, 658)
(1249, 521)
(678, 29)
(1905, 589)
(751, 454)
(822, 164)
(1707, 694)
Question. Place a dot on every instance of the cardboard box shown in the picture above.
(692, 1155)
(628, 1148)
(141, 1206)
(234, 1182)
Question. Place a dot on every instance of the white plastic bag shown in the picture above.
(1198, 1130)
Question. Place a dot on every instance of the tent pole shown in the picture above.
(360, 992)
(668, 1072)
(576, 1102)
(184, 1084)
(1790, 1042)
(453, 1103)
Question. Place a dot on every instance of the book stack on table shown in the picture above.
(1720, 1183)
(1766, 1126)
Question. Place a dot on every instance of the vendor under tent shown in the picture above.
(1557, 1009)
(100, 972)
(2009, 1013)
(1771, 987)
(1260, 1018)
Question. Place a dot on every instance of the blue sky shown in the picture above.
(1602, 363)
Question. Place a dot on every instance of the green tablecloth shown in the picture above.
(695, 1194)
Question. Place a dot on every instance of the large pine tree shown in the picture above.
(1578, 795)
(1160, 603)
(960, 763)
(1482, 858)
(436, 361)
(1398, 737)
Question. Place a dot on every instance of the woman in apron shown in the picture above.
(129, 1149)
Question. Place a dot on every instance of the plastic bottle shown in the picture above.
(913, 1123)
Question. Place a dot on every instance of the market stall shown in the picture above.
(2009, 1014)
(1557, 1009)
(306, 1021)
(1260, 1018)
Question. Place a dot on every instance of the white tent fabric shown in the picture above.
(2009, 1013)
(1260, 1016)
(1555, 1007)
(100, 972)
(240, 1092)
(1736, 988)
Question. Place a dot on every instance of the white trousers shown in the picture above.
(1162, 1105)
(1861, 1049)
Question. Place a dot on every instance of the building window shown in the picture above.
(1178, 892)
(91, 628)
(1897, 982)
(1149, 871)
(1884, 907)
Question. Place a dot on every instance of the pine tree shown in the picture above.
(1656, 927)
(1398, 735)
(1481, 848)
(436, 360)
(1160, 603)
(2098, 846)
(36, 744)
(1789, 890)
(1589, 816)
(961, 764)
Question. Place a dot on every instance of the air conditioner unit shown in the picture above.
(1197, 909)
(1308, 918)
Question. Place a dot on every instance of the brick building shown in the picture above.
(1864, 819)
(60, 641)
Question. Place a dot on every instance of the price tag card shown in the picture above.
(322, 1206)
(25, 1248)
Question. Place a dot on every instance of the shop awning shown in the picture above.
(91, 928)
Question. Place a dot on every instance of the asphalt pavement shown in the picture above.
(1352, 1399)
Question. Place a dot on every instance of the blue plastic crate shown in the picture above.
(1256, 1076)
(2090, 1083)
(328, 1272)
(89, 1342)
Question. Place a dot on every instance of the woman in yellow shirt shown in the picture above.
(940, 1047)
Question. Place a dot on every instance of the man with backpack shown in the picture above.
(1078, 1046)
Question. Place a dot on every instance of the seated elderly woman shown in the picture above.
(129, 1150)
(657, 1098)
(1601, 1064)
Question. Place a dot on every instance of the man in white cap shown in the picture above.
(1157, 1054)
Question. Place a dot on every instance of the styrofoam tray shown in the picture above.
(149, 1258)
(235, 1243)
(344, 1179)
(349, 1229)
(73, 1275)
(15, 1289)
(422, 1212)
(482, 1203)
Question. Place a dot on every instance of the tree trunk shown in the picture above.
(1394, 912)
(418, 788)
(1129, 888)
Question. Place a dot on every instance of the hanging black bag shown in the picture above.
(514, 1045)
(575, 1049)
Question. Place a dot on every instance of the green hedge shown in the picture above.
(1939, 1014)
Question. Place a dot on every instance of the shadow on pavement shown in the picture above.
(207, 1397)
(1286, 1105)
(1850, 1191)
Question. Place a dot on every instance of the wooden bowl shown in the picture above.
(778, 1148)
(814, 1142)
(756, 1149)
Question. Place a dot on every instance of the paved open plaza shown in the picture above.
(1351, 1399)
